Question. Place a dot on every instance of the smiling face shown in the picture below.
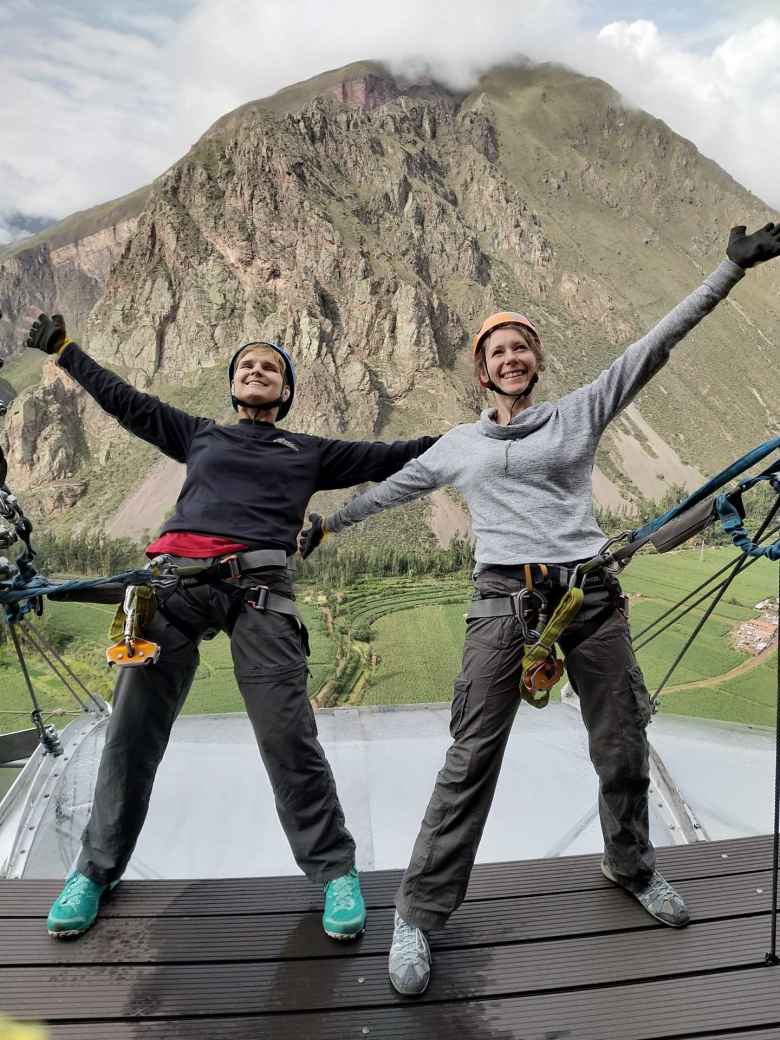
(259, 377)
(510, 359)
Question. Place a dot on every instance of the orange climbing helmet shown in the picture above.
(499, 320)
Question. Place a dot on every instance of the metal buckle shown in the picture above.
(259, 603)
(235, 568)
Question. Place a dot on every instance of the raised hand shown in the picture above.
(46, 333)
(310, 537)
(749, 250)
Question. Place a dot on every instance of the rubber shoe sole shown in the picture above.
(345, 937)
(73, 933)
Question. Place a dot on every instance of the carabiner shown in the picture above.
(519, 608)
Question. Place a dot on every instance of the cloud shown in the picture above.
(104, 101)
(725, 100)
(86, 110)
(14, 226)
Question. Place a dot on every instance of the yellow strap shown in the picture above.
(529, 578)
(564, 614)
(65, 343)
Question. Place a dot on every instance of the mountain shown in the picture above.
(369, 224)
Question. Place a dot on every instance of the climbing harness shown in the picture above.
(540, 632)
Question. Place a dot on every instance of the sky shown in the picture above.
(98, 99)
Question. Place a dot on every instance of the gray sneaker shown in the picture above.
(410, 959)
(657, 897)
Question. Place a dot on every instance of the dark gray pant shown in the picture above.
(270, 668)
(615, 708)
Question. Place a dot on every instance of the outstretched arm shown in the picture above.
(346, 463)
(162, 425)
(619, 384)
(417, 478)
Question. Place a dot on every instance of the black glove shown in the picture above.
(47, 334)
(749, 250)
(310, 537)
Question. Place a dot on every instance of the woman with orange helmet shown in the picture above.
(525, 470)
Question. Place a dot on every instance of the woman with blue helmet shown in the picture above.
(236, 519)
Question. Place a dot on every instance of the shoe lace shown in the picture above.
(74, 889)
(658, 889)
(407, 940)
(342, 892)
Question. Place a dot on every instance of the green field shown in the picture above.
(409, 634)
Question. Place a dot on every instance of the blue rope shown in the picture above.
(18, 591)
(732, 523)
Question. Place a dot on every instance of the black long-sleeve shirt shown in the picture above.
(251, 481)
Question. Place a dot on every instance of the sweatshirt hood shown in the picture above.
(528, 421)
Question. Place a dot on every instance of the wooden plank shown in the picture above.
(744, 1004)
(192, 898)
(24, 941)
(130, 991)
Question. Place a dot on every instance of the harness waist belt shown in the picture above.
(234, 566)
(507, 606)
(557, 574)
(250, 561)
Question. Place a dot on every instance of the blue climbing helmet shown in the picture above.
(289, 376)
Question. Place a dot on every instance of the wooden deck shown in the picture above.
(541, 950)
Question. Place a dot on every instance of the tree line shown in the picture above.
(93, 553)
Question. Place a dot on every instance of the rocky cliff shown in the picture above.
(369, 224)
(65, 268)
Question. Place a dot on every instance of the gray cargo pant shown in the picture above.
(615, 709)
(270, 668)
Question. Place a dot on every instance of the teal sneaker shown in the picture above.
(76, 907)
(344, 916)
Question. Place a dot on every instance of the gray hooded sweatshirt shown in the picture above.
(528, 485)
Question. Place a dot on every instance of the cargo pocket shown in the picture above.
(496, 633)
(304, 638)
(460, 700)
(640, 698)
